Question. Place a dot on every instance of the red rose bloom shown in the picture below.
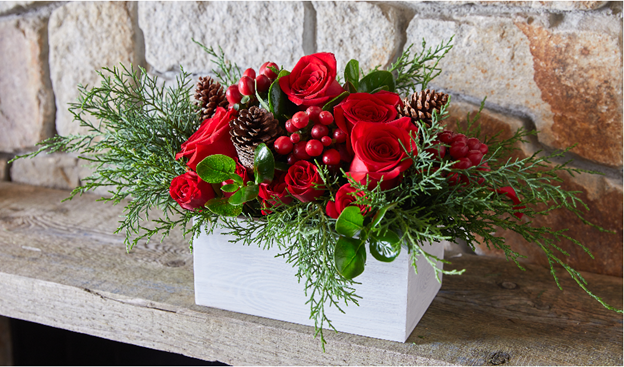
(190, 191)
(212, 137)
(274, 193)
(312, 81)
(301, 179)
(344, 198)
(379, 151)
(379, 107)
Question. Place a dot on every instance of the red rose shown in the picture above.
(312, 81)
(301, 179)
(190, 191)
(379, 107)
(344, 198)
(242, 172)
(511, 193)
(380, 151)
(212, 137)
(274, 193)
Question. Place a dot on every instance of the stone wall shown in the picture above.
(551, 66)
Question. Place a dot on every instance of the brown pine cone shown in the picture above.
(420, 106)
(253, 127)
(209, 95)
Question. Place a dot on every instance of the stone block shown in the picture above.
(357, 30)
(85, 37)
(250, 33)
(58, 170)
(26, 97)
(564, 73)
(604, 199)
(547, 5)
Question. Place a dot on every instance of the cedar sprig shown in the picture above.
(418, 69)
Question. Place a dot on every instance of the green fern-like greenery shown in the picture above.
(135, 126)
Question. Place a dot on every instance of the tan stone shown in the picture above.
(250, 33)
(357, 30)
(604, 199)
(567, 78)
(59, 171)
(555, 5)
(85, 37)
(26, 97)
(4, 172)
(579, 75)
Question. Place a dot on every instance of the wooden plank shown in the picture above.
(61, 265)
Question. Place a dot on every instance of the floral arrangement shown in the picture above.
(327, 167)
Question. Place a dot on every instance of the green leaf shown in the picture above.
(350, 221)
(352, 73)
(278, 100)
(236, 178)
(263, 103)
(221, 206)
(281, 166)
(329, 105)
(380, 214)
(264, 164)
(245, 99)
(375, 80)
(245, 194)
(349, 257)
(385, 248)
(230, 188)
(216, 168)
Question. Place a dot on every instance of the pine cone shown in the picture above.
(209, 95)
(420, 106)
(252, 127)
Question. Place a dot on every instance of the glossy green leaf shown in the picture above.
(245, 99)
(216, 168)
(350, 221)
(385, 248)
(349, 257)
(236, 178)
(278, 100)
(375, 80)
(264, 104)
(245, 194)
(221, 206)
(264, 164)
(380, 215)
(230, 188)
(329, 105)
(352, 74)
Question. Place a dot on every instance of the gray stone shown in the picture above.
(554, 5)
(566, 77)
(250, 33)
(26, 97)
(361, 31)
(8, 7)
(59, 171)
(84, 37)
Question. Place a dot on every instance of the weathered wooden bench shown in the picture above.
(61, 265)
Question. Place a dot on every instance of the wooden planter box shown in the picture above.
(251, 280)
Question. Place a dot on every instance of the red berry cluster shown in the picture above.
(310, 137)
(247, 83)
(468, 151)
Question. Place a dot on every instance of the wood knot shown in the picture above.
(509, 285)
(498, 358)
(175, 263)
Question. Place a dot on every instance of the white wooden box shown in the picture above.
(251, 280)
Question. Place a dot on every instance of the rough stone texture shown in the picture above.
(555, 5)
(84, 37)
(26, 97)
(250, 33)
(604, 199)
(357, 30)
(8, 7)
(568, 75)
(580, 77)
(59, 171)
